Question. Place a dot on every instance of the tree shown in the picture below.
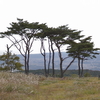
(87, 51)
(25, 31)
(61, 36)
(49, 33)
(82, 50)
(42, 37)
(11, 64)
(43, 52)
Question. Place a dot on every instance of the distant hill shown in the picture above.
(36, 62)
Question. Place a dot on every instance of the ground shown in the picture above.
(18, 86)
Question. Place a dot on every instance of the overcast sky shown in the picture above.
(78, 14)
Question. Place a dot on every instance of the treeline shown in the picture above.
(69, 73)
(77, 46)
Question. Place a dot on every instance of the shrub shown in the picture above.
(87, 75)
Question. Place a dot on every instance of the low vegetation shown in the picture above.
(19, 86)
(86, 73)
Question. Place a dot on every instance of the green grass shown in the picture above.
(18, 86)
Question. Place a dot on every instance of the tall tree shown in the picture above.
(41, 36)
(61, 36)
(50, 34)
(88, 51)
(43, 52)
(25, 31)
(82, 50)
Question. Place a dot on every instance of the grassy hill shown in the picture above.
(18, 86)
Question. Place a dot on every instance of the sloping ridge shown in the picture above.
(36, 62)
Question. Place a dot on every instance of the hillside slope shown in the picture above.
(36, 62)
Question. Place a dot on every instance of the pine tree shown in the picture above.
(82, 50)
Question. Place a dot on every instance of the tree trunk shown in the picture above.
(79, 67)
(44, 56)
(25, 64)
(61, 61)
(45, 65)
(82, 67)
(53, 68)
(49, 56)
(53, 55)
(8, 52)
(61, 70)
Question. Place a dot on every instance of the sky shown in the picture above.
(78, 14)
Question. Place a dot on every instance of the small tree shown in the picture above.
(11, 64)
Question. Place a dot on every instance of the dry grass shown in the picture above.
(18, 86)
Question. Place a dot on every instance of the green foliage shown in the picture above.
(70, 73)
(83, 49)
(74, 75)
(87, 75)
(10, 62)
(9, 88)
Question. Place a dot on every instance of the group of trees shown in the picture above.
(77, 46)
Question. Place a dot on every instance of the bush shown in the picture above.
(87, 75)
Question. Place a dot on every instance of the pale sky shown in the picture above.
(78, 14)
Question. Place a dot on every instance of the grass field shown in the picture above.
(18, 86)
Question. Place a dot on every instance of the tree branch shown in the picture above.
(69, 65)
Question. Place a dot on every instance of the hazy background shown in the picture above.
(78, 14)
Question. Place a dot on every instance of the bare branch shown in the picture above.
(16, 42)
